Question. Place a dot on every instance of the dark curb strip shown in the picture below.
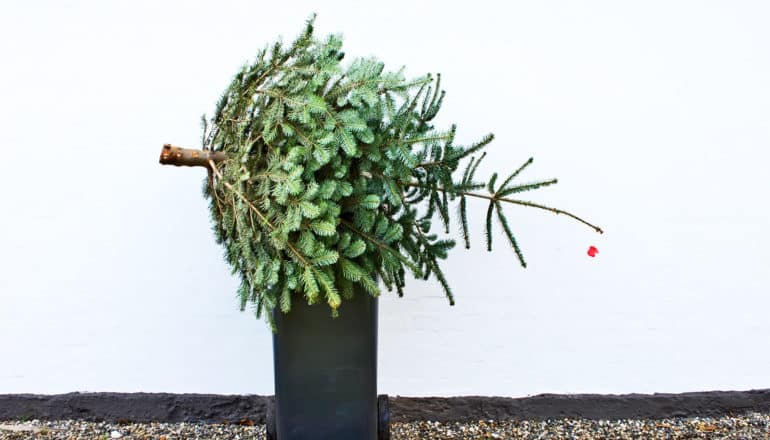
(210, 408)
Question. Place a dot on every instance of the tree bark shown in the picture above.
(171, 155)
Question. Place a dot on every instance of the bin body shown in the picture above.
(326, 371)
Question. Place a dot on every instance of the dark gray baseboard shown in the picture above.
(210, 408)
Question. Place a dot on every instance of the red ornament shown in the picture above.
(592, 251)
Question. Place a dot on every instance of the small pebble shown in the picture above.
(747, 426)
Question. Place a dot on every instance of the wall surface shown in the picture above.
(655, 116)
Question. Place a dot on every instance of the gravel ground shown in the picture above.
(747, 426)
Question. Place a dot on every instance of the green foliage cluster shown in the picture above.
(334, 175)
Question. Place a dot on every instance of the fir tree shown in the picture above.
(324, 180)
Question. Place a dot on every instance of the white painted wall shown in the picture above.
(654, 115)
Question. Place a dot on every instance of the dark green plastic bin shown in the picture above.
(326, 374)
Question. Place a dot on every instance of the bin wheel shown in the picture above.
(383, 417)
(270, 421)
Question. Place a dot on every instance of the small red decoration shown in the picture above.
(592, 251)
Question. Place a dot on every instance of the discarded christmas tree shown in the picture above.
(324, 180)
(324, 173)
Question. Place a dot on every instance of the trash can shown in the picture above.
(326, 373)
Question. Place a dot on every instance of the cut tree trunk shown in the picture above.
(171, 155)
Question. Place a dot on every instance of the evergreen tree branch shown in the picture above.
(381, 245)
(516, 173)
(259, 213)
(509, 234)
(516, 202)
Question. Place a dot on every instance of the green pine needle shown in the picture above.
(464, 221)
(516, 173)
(526, 187)
(509, 234)
(489, 225)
